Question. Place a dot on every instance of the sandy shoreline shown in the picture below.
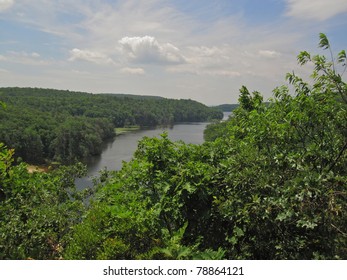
(35, 168)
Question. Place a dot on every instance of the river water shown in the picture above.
(122, 147)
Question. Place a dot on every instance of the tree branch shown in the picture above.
(338, 157)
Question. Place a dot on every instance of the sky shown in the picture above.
(203, 50)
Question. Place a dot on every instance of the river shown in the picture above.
(122, 147)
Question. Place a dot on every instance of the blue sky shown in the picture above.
(199, 49)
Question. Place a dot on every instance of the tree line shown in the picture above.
(227, 107)
(46, 124)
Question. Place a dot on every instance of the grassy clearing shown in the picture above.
(123, 130)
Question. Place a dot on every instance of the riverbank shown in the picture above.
(36, 168)
(124, 130)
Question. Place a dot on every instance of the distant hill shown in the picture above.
(134, 96)
(226, 107)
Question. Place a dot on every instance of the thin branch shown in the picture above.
(332, 59)
(338, 157)
(344, 70)
(339, 230)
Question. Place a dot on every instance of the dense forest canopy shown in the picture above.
(270, 185)
(65, 126)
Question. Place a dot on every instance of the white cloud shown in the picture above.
(319, 10)
(24, 54)
(91, 56)
(134, 71)
(205, 72)
(269, 54)
(5, 4)
(226, 73)
(26, 58)
(34, 54)
(147, 50)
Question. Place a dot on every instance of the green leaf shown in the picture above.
(238, 232)
(2, 104)
(304, 57)
(305, 223)
(183, 253)
(323, 42)
(189, 188)
(341, 57)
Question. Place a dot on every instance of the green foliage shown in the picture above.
(37, 210)
(288, 168)
(45, 124)
(271, 184)
(227, 107)
(214, 130)
(323, 42)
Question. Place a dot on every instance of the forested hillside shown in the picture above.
(226, 107)
(271, 185)
(46, 124)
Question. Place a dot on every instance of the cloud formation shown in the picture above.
(5, 4)
(91, 56)
(133, 71)
(210, 61)
(147, 50)
(269, 54)
(318, 10)
(25, 58)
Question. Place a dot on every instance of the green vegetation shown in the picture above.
(227, 107)
(123, 130)
(37, 210)
(271, 185)
(45, 124)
